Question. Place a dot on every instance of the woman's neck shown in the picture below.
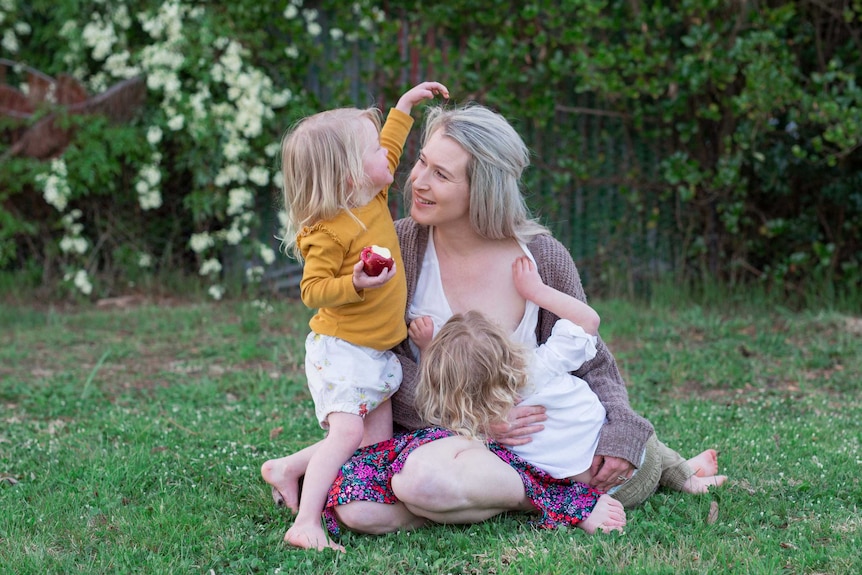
(458, 239)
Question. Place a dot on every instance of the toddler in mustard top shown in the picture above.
(337, 168)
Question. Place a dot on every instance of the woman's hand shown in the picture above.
(524, 420)
(609, 472)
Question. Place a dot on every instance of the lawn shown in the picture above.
(131, 437)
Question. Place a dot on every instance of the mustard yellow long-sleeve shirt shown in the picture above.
(371, 317)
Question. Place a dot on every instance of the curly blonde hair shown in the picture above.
(470, 376)
(321, 164)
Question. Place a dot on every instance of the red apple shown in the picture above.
(376, 258)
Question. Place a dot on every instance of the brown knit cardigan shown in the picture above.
(624, 434)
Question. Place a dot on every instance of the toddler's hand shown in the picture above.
(526, 277)
(416, 94)
(421, 331)
(362, 280)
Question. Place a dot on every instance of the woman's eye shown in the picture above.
(441, 175)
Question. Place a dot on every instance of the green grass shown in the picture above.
(131, 441)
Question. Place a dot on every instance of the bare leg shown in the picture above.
(458, 480)
(377, 518)
(283, 475)
(608, 515)
(377, 425)
(345, 434)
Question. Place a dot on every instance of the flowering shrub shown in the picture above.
(184, 183)
(709, 139)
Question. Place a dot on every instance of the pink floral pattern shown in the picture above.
(368, 477)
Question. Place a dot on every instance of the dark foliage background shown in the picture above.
(692, 141)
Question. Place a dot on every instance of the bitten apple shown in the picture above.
(375, 259)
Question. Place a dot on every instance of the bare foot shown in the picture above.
(310, 537)
(696, 484)
(608, 515)
(284, 476)
(704, 464)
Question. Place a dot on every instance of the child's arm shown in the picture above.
(531, 287)
(397, 126)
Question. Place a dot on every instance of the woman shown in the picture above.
(468, 222)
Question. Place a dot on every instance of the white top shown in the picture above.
(430, 300)
(565, 447)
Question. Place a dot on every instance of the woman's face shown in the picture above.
(441, 190)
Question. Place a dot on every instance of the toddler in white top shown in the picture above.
(472, 374)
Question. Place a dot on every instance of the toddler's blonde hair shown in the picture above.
(470, 376)
(321, 163)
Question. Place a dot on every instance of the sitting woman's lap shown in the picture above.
(459, 480)
(446, 479)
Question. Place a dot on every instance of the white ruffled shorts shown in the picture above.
(348, 378)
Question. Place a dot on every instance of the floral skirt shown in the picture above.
(367, 476)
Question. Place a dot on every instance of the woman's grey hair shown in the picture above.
(498, 158)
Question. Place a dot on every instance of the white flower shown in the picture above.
(100, 36)
(234, 236)
(151, 200)
(82, 282)
(201, 242)
(58, 166)
(290, 12)
(10, 41)
(234, 148)
(210, 266)
(280, 99)
(238, 199)
(267, 254)
(314, 29)
(118, 65)
(55, 187)
(150, 174)
(69, 219)
(76, 245)
(264, 307)
(216, 292)
(154, 135)
(177, 122)
(122, 18)
(254, 273)
(291, 52)
(271, 150)
(145, 260)
(259, 175)
(336, 34)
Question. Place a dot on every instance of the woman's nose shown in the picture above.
(417, 176)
